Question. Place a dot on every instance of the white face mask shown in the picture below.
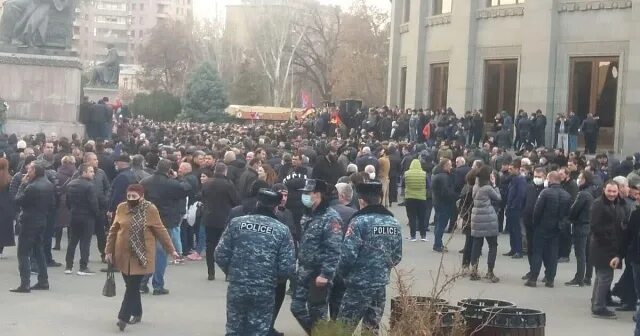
(538, 181)
(546, 184)
(372, 176)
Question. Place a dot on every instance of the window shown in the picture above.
(441, 7)
(112, 6)
(111, 19)
(438, 82)
(407, 11)
(133, 6)
(141, 34)
(500, 85)
(492, 3)
(141, 6)
(403, 86)
(132, 33)
(141, 19)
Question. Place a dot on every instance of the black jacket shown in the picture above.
(36, 199)
(165, 193)
(235, 169)
(442, 188)
(459, 174)
(607, 219)
(366, 160)
(82, 200)
(245, 182)
(631, 236)
(327, 170)
(579, 212)
(551, 209)
(530, 199)
(219, 196)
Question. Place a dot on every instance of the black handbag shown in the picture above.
(109, 289)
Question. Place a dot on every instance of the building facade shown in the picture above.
(553, 55)
(123, 23)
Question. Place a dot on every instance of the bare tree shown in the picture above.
(316, 54)
(277, 37)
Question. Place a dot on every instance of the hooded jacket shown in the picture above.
(415, 182)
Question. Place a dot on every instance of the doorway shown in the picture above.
(593, 88)
(500, 87)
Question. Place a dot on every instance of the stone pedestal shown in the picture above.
(43, 93)
(95, 93)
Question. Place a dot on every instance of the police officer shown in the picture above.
(319, 253)
(255, 252)
(372, 246)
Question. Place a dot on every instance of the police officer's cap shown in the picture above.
(268, 197)
(315, 185)
(369, 188)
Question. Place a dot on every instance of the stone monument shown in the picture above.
(104, 77)
(41, 76)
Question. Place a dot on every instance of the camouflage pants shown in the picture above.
(304, 307)
(366, 304)
(249, 310)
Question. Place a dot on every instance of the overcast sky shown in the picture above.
(207, 8)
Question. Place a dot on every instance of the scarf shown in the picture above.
(138, 221)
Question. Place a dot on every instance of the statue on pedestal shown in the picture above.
(107, 73)
(37, 23)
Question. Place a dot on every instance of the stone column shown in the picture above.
(393, 78)
(631, 85)
(416, 53)
(538, 60)
(462, 59)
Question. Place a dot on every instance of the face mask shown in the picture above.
(306, 200)
(546, 184)
(523, 174)
(372, 176)
(133, 203)
(538, 181)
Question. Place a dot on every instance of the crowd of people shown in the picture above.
(306, 202)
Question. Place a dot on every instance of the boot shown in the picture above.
(491, 277)
(474, 274)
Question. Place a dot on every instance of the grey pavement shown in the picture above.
(195, 306)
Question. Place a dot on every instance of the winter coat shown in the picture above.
(82, 200)
(245, 182)
(607, 219)
(165, 193)
(415, 182)
(484, 219)
(219, 196)
(65, 172)
(7, 215)
(465, 206)
(552, 209)
(36, 199)
(119, 240)
(442, 188)
(579, 212)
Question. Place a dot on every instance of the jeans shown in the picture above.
(30, 239)
(161, 266)
(624, 288)
(515, 229)
(443, 214)
(573, 142)
(131, 303)
(580, 236)
(201, 237)
(428, 211)
(601, 285)
(213, 237)
(187, 232)
(477, 249)
(563, 142)
(545, 249)
(416, 214)
(176, 239)
(81, 230)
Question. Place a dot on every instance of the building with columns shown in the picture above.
(494, 55)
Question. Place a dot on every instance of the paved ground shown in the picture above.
(74, 305)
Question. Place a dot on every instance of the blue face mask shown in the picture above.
(306, 200)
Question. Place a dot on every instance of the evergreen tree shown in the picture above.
(205, 98)
(157, 105)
